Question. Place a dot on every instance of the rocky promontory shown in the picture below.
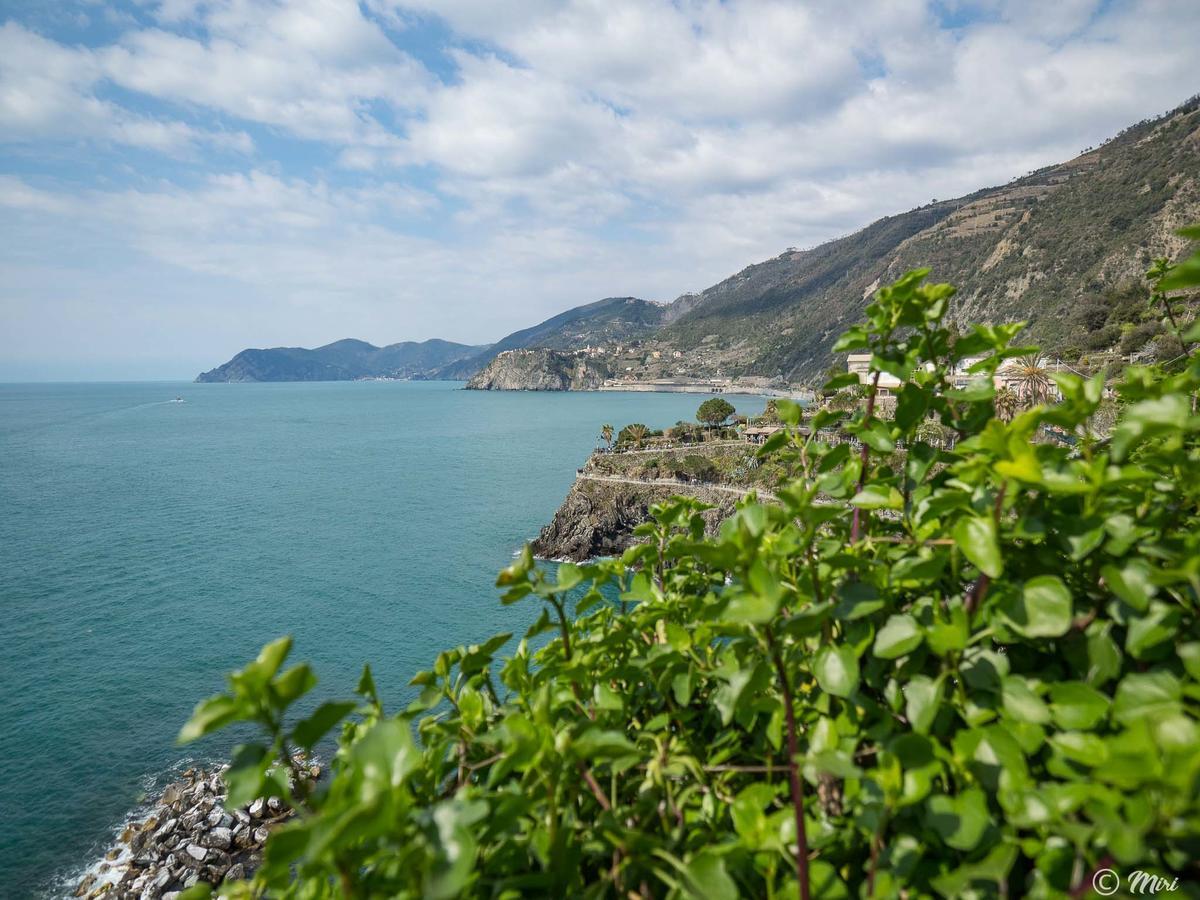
(187, 836)
(597, 518)
(540, 370)
(614, 491)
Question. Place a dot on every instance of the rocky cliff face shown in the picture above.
(597, 518)
(539, 370)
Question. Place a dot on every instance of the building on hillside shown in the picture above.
(860, 364)
(757, 434)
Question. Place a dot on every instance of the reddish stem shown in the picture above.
(794, 778)
(863, 456)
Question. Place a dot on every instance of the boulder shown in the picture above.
(219, 837)
(196, 852)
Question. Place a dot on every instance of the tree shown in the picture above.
(606, 434)
(633, 434)
(973, 674)
(714, 411)
(1007, 403)
(1031, 378)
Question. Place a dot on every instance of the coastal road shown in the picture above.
(681, 486)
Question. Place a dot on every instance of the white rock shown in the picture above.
(274, 804)
(196, 852)
(166, 829)
(256, 808)
(219, 837)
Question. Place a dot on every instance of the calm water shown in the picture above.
(147, 547)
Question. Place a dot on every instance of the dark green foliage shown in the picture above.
(715, 411)
(632, 435)
(696, 468)
(974, 674)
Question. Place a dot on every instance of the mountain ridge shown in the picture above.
(1072, 236)
(347, 359)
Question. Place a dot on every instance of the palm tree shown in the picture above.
(637, 433)
(606, 434)
(932, 432)
(1031, 378)
(1006, 403)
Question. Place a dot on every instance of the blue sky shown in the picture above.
(180, 179)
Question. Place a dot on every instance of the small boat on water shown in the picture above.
(178, 400)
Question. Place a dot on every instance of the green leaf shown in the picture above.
(599, 742)
(877, 436)
(1043, 609)
(1189, 653)
(836, 669)
(922, 696)
(1150, 694)
(568, 576)
(210, 715)
(706, 878)
(366, 686)
(749, 816)
(976, 537)
(900, 635)
(294, 684)
(246, 774)
(824, 881)
(1148, 419)
(1131, 582)
(1150, 635)
(1021, 703)
(949, 637)
(960, 821)
(1077, 746)
(1077, 706)
(310, 730)
(201, 890)
(878, 496)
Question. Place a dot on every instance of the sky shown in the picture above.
(181, 179)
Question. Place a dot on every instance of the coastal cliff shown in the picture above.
(597, 518)
(540, 370)
(613, 493)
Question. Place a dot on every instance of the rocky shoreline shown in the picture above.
(187, 836)
(597, 518)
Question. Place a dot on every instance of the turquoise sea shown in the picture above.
(147, 547)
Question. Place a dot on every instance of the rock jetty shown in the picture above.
(188, 835)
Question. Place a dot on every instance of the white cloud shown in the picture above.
(48, 92)
(310, 67)
(576, 149)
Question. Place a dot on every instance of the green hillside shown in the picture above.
(1043, 248)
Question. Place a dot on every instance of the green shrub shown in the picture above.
(975, 675)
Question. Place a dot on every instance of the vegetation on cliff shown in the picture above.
(975, 674)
